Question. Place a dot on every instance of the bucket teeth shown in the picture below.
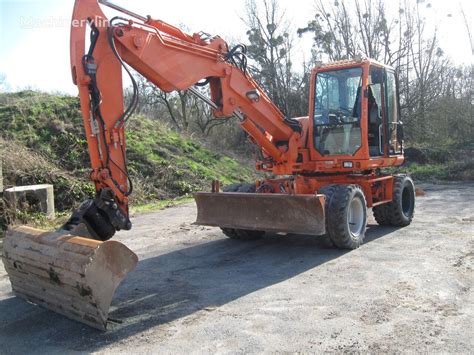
(70, 275)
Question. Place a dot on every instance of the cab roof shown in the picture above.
(346, 63)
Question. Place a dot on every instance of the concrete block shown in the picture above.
(35, 198)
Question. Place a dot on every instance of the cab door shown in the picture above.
(393, 124)
(374, 95)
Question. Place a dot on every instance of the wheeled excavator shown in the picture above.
(325, 169)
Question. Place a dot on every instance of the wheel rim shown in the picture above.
(355, 217)
(407, 202)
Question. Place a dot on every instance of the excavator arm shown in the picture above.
(172, 60)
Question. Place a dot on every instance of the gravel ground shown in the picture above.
(404, 290)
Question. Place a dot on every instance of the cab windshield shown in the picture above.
(337, 111)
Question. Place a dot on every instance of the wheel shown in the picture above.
(381, 215)
(346, 216)
(231, 188)
(241, 234)
(401, 210)
(328, 191)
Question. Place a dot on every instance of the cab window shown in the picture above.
(337, 111)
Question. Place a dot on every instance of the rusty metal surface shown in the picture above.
(70, 275)
(298, 214)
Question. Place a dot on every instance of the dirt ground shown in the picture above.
(404, 290)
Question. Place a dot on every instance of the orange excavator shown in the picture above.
(326, 168)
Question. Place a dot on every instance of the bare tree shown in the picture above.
(270, 47)
(430, 86)
(468, 25)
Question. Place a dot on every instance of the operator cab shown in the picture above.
(356, 110)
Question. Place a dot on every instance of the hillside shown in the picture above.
(42, 141)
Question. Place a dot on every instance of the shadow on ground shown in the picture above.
(170, 286)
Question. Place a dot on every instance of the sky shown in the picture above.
(34, 34)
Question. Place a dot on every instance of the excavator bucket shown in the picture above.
(298, 214)
(71, 275)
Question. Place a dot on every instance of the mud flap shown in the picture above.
(70, 275)
(298, 214)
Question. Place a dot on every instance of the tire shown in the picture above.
(328, 191)
(346, 217)
(231, 188)
(241, 234)
(401, 210)
(381, 215)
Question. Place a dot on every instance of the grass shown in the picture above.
(459, 171)
(40, 221)
(443, 163)
(178, 165)
(159, 205)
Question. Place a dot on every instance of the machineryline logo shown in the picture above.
(33, 22)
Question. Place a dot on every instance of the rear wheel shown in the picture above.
(381, 215)
(346, 216)
(402, 208)
(241, 234)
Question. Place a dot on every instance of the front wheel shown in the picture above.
(347, 217)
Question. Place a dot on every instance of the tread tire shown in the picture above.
(381, 215)
(328, 191)
(337, 215)
(403, 192)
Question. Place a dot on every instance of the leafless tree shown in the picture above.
(271, 50)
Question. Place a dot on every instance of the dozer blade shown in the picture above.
(299, 214)
(71, 275)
